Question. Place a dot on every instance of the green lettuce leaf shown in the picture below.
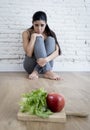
(34, 102)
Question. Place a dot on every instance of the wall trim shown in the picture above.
(57, 67)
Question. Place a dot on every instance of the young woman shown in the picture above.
(41, 47)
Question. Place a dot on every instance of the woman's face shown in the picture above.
(39, 26)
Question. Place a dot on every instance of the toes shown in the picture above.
(52, 76)
(57, 78)
(33, 77)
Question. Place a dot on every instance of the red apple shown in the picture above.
(55, 102)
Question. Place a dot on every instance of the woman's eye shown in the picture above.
(42, 25)
(36, 25)
(39, 25)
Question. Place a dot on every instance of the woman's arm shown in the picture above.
(28, 45)
(53, 55)
(43, 61)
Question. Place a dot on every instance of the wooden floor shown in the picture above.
(75, 87)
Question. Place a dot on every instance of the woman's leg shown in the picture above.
(50, 48)
(29, 65)
(40, 52)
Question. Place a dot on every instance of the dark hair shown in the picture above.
(40, 15)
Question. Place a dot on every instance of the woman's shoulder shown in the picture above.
(30, 30)
(27, 32)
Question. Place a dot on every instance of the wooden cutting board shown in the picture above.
(56, 117)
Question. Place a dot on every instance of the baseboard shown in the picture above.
(57, 67)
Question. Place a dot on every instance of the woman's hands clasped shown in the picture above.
(42, 61)
(34, 35)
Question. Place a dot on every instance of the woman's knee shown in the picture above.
(50, 39)
(50, 42)
(50, 45)
(39, 39)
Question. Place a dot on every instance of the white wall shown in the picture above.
(70, 19)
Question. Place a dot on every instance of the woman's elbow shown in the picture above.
(28, 53)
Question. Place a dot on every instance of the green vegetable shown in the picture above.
(35, 103)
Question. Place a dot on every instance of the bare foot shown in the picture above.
(51, 75)
(33, 75)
